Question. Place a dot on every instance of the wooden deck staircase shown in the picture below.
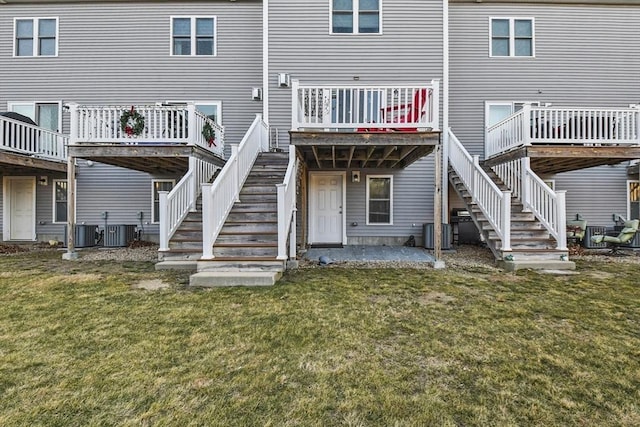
(248, 242)
(531, 244)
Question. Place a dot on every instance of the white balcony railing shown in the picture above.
(373, 108)
(494, 203)
(287, 208)
(218, 198)
(31, 140)
(554, 125)
(163, 124)
(536, 196)
(176, 204)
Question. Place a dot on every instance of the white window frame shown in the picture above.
(218, 105)
(630, 181)
(36, 36)
(512, 38)
(32, 105)
(356, 22)
(53, 198)
(193, 35)
(153, 201)
(369, 178)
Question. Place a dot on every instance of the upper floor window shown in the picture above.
(355, 16)
(45, 114)
(36, 37)
(512, 37)
(193, 36)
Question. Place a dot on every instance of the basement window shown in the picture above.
(379, 199)
(158, 185)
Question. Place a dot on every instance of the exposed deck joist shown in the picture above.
(154, 159)
(550, 159)
(359, 150)
(20, 163)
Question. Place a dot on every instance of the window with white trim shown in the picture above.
(379, 199)
(512, 37)
(633, 199)
(356, 17)
(59, 200)
(193, 36)
(35, 37)
(158, 185)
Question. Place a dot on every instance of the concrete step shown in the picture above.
(180, 254)
(539, 264)
(241, 264)
(191, 265)
(215, 279)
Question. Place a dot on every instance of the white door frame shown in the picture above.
(6, 205)
(312, 207)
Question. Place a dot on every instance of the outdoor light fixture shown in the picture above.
(355, 176)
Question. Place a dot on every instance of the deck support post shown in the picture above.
(71, 210)
(437, 208)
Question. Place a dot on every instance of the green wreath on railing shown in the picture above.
(209, 134)
(132, 122)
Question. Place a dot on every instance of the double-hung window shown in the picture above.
(355, 17)
(512, 37)
(380, 199)
(59, 200)
(193, 36)
(35, 37)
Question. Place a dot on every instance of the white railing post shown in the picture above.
(207, 226)
(164, 220)
(282, 221)
(293, 236)
(526, 124)
(192, 136)
(295, 108)
(506, 220)
(235, 169)
(436, 103)
(73, 123)
(193, 188)
(561, 220)
(525, 188)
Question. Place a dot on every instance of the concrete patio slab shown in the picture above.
(370, 253)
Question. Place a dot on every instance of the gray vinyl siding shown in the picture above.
(584, 56)
(119, 53)
(409, 50)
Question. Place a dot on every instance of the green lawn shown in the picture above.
(325, 346)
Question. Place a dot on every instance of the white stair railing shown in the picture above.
(218, 198)
(287, 208)
(176, 204)
(32, 140)
(536, 196)
(494, 203)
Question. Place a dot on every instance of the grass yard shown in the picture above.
(333, 346)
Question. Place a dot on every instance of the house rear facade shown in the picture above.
(363, 95)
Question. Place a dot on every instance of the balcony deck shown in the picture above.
(169, 136)
(25, 147)
(364, 126)
(564, 139)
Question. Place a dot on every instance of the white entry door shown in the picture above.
(20, 208)
(325, 208)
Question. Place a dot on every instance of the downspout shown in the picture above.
(445, 110)
(265, 62)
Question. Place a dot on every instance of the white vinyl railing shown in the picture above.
(287, 208)
(536, 196)
(494, 203)
(362, 108)
(163, 124)
(32, 140)
(176, 204)
(218, 198)
(554, 125)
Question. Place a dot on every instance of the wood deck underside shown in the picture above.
(551, 159)
(18, 164)
(359, 150)
(153, 159)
